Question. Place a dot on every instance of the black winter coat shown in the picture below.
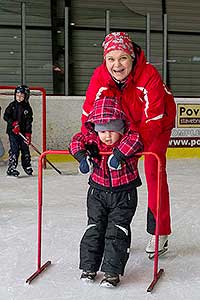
(21, 112)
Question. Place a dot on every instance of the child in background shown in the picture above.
(112, 195)
(19, 118)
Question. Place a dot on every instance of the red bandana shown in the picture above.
(118, 41)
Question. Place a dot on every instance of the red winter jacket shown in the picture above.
(144, 98)
(105, 109)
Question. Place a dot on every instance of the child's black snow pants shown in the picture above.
(106, 241)
(16, 145)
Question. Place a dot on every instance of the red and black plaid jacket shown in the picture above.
(105, 109)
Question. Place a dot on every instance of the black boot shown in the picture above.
(26, 164)
(88, 276)
(12, 172)
(110, 280)
(12, 165)
(28, 171)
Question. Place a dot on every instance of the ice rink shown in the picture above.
(64, 221)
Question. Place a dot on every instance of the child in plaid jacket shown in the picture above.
(112, 195)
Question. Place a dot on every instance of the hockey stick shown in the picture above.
(36, 150)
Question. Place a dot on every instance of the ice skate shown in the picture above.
(12, 165)
(26, 164)
(12, 172)
(88, 276)
(110, 280)
(28, 171)
(162, 247)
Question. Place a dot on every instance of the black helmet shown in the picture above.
(24, 89)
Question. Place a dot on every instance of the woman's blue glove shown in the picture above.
(85, 166)
(114, 163)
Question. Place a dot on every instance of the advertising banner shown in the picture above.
(186, 133)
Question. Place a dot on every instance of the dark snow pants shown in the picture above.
(16, 145)
(106, 241)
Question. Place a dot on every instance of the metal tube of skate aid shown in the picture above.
(159, 174)
(43, 267)
(40, 168)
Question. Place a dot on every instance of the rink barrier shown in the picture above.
(40, 269)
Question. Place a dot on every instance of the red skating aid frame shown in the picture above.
(40, 269)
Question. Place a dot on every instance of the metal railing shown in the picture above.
(41, 268)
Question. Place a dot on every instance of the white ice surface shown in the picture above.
(64, 220)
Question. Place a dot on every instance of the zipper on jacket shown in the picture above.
(109, 175)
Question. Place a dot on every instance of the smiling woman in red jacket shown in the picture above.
(147, 103)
